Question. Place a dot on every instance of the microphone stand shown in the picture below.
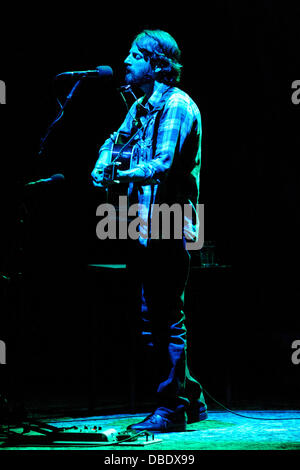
(59, 116)
(12, 400)
(12, 408)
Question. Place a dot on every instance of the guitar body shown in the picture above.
(122, 156)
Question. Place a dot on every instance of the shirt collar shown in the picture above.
(155, 98)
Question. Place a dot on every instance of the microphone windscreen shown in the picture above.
(105, 71)
(57, 177)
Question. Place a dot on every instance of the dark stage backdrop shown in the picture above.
(240, 60)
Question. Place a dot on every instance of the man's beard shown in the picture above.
(131, 79)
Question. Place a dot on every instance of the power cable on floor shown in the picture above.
(243, 416)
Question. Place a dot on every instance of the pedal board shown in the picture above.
(36, 433)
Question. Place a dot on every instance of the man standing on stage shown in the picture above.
(165, 126)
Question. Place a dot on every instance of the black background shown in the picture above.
(240, 59)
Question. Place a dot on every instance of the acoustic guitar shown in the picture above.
(122, 156)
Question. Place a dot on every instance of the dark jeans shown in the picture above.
(162, 269)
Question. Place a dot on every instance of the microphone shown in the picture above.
(56, 177)
(99, 72)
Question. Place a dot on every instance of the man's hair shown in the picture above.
(163, 52)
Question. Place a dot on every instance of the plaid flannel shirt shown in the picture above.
(167, 133)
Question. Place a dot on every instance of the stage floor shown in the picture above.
(274, 430)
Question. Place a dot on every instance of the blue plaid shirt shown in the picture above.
(166, 131)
